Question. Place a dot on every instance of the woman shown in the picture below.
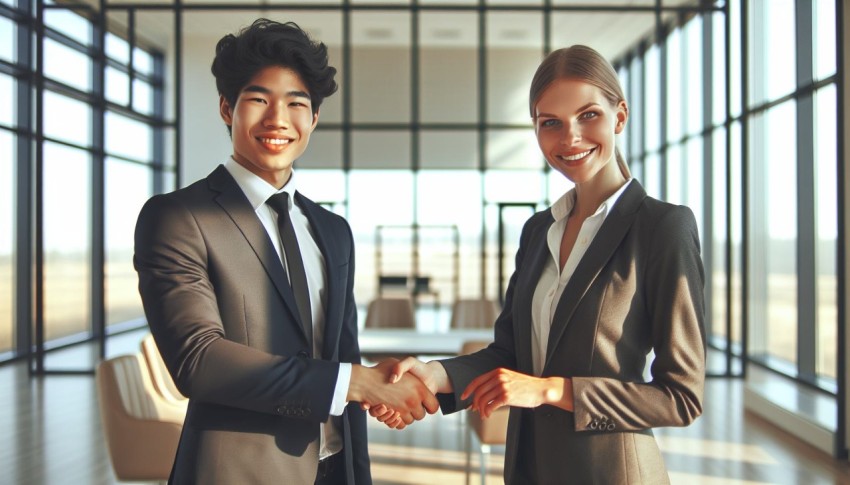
(602, 278)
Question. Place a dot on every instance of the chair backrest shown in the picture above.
(141, 433)
(161, 378)
(386, 312)
(474, 313)
(493, 430)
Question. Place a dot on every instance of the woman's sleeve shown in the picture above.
(673, 292)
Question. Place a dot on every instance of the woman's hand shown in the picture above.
(432, 375)
(504, 387)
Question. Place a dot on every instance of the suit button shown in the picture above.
(302, 354)
(281, 410)
(611, 427)
(593, 424)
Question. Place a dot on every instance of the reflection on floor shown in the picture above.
(52, 435)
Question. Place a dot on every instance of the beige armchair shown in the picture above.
(474, 313)
(161, 379)
(488, 432)
(141, 429)
(390, 312)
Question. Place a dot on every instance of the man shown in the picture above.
(248, 288)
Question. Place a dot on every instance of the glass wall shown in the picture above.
(100, 160)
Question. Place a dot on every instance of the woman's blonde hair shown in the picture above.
(584, 64)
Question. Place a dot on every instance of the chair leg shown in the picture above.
(485, 455)
(468, 443)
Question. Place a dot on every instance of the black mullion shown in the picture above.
(178, 90)
(708, 169)
(660, 40)
(98, 181)
(38, 230)
(482, 139)
(346, 102)
(806, 206)
(841, 261)
(727, 80)
(24, 207)
(131, 66)
(414, 132)
(159, 129)
(745, 200)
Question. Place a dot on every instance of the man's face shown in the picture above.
(271, 123)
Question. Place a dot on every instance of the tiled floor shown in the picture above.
(51, 434)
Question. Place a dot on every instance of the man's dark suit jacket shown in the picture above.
(220, 308)
(639, 287)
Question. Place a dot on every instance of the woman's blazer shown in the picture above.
(638, 288)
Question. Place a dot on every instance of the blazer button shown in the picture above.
(593, 424)
(281, 410)
(610, 427)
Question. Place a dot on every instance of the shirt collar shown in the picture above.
(256, 189)
(563, 206)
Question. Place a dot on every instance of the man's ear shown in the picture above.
(622, 117)
(315, 121)
(225, 111)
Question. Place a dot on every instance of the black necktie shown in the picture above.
(294, 264)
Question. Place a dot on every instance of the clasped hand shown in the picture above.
(490, 391)
(406, 395)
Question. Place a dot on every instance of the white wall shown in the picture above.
(205, 140)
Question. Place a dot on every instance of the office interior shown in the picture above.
(738, 110)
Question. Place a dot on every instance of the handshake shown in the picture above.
(397, 392)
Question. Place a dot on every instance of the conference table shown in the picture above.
(376, 344)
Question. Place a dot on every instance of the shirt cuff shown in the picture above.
(343, 379)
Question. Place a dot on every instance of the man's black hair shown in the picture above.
(238, 58)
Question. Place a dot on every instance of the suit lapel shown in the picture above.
(526, 283)
(232, 200)
(324, 239)
(606, 242)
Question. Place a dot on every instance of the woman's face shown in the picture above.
(575, 126)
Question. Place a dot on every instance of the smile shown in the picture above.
(577, 156)
(275, 141)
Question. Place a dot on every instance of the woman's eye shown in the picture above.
(588, 115)
(549, 123)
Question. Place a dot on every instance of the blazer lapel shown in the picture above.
(233, 201)
(526, 283)
(324, 239)
(612, 232)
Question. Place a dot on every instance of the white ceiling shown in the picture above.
(609, 32)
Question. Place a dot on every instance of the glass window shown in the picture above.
(8, 39)
(512, 149)
(448, 63)
(825, 39)
(117, 86)
(67, 65)
(370, 208)
(67, 119)
(142, 61)
(67, 235)
(462, 211)
(736, 233)
(69, 23)
(129, 138)
(324, 150)
(128, 186)
(773, 226)
(718, 68)
(142, 97)
(322, 186)
(7, 99)
(675, 103)
(826, 223)
(719, 237)
(652, 175)
(557, 186)
(651, 111)
(448, 149)
(514, 186)
(380, 149)
(736, 75)
(117, 48)
(637, 113)
(692, 85)
(514, 50)
(7, 241)
(772, 49)
(380, 67)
